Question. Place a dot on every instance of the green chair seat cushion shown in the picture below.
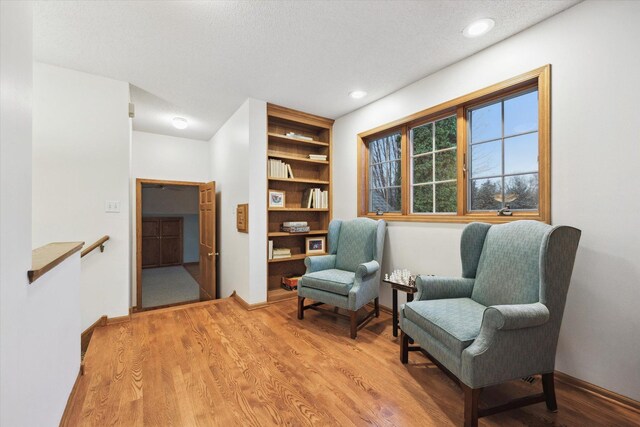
(332, 280)
(454, 322)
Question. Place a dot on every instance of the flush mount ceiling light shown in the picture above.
(179, 123)
(478, 27)
(357, 94)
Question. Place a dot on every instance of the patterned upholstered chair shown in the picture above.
(349, 276)
(500, 321)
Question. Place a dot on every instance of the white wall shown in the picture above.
(238, 164)
(595, 151)
(39, 322)
(166, 158)
(81, 149)
(170, 158)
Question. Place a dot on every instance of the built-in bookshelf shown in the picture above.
(302, 142)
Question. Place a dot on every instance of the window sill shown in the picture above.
(460, 219)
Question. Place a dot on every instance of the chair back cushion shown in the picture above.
(509, 267)
(356, 243)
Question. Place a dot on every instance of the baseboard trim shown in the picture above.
(74, 390)
(600, 392)
(85, 336)
(383, 308)
(246, 305)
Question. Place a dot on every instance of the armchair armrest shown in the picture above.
(435, 287)
(367, 268)
(318, 263)
(515, 316)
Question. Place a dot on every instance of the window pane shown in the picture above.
(486, 159)
(393, 145)
(445, 165)
(521, 114)
(423, 198)
(521, 153)
(446, 197)
(385, 200)
(486, 123)
(422, 138)
(486, 194)
(446, 133)
(377, 152)
(386, 174)
(521, 191)
(422, 169)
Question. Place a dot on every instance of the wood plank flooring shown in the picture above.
(217, 364)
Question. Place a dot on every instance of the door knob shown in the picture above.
(211, 253)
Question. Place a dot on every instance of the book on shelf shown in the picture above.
(315, 198)
(279, 253)
(279, 169)
(317, 156)
(298, 136)
(295, 224)
(270, 249)
(290, 283)
(298, 229)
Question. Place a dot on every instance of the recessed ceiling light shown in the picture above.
(357, 94)
(179, 123)
(479, 27)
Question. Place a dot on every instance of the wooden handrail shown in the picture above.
(98, 244)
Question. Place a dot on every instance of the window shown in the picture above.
(385, 191)
(433, 167)
(480, 157)
(503, 142)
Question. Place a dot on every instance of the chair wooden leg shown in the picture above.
(354, 324)
(549, 389)
(376, 303)
(471, 400)
(300, 308)
(404, 347)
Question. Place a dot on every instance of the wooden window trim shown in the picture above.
(539, 78)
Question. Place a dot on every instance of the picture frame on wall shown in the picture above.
(276, 199)
(315, 245)
(242, 218)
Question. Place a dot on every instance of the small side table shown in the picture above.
(395, 287)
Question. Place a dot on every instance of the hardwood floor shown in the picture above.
(216, 364)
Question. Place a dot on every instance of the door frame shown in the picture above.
(139, 182)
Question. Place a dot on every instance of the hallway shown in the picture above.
(168, 285)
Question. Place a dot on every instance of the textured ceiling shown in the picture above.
(201, 60)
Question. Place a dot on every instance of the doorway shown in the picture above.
(175, 243)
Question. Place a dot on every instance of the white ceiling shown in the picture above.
(201, 60)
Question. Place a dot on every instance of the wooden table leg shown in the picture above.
(394, 293)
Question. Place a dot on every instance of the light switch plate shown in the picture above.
(112, 206)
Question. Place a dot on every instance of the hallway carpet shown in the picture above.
(168, 285)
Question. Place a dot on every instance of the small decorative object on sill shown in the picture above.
(290, 282)
(379, 212)
(242, 218)
(506, 211)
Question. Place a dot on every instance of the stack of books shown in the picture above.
(317, 156)
(298, 136)
(315, 198)
(295, 227)
(290, 283)
(279, 169)
(279, 253)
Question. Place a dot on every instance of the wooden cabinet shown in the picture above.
(161, 242)
(292, 137)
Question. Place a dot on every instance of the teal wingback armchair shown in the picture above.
(349, 276)
(500, 321)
